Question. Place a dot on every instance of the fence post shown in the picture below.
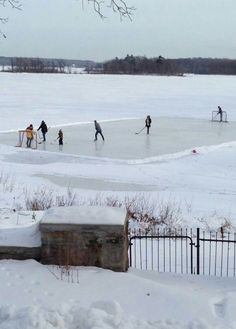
(130, 250)
(198, 251)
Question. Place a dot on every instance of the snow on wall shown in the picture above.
(90, 215)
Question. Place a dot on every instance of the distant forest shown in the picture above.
(161, 66)
(42, 65)
(128, 65)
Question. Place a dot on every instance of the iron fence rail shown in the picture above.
(185, 251)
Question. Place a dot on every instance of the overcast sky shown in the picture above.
(171, 28)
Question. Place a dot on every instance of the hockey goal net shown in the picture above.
(22, 139)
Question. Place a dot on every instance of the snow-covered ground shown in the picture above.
(102, 299)
(161, 167)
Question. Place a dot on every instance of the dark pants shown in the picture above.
(96, 135)
(148, 127)
(44, 136)
(28, 142)
(60, 141)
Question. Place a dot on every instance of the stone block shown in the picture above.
(85, 236)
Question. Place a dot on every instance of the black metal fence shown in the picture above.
(186, 251)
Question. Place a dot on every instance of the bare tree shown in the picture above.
(118, 6)
(14, 4)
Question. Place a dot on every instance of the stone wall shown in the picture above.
(20, 253)
(79, 236)
(74, 242)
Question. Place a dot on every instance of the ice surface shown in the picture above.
(167, 135)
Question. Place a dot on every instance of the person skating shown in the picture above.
(98, 130)
(60, 137)
(29, 135)
(44, 130)
(148, 122)
(220, 112)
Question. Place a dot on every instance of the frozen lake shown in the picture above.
(167, 135)
(69, 98)
(160, 165)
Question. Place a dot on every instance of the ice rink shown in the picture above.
(167, 136)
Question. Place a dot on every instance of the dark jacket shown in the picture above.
(60, 134)
(43, 127)
(97, 127)
(148, 121)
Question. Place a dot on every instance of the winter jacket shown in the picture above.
(43, 127)
(60, 134)
(97, 127)
(29, 132)
(148, 121)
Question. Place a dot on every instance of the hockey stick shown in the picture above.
(140, 130)
(39, 135)
(54, 141)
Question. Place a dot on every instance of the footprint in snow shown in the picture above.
(10, 284)
(34, 282)
(47, 293)
(18, 276)
(219, 308)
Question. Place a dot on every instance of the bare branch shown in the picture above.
(97, 7)
(3, 20)
(2, 34)
(15, 4)
(121, 7)
(118, 6)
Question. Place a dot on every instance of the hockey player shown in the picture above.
(148, 122)
(220, 112)
(98, 130)
(44, 130)
(60, 137)
(29, 135)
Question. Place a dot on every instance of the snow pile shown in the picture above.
(20, 228)
(21, 236)
(99, 316)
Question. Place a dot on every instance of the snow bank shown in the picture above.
(182, 154)
(21, 236)
(101, 315)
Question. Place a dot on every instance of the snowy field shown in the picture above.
(161, 167)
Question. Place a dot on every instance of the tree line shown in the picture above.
(36, 65)
(162, 66)
(128, 65)
(42, 65)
